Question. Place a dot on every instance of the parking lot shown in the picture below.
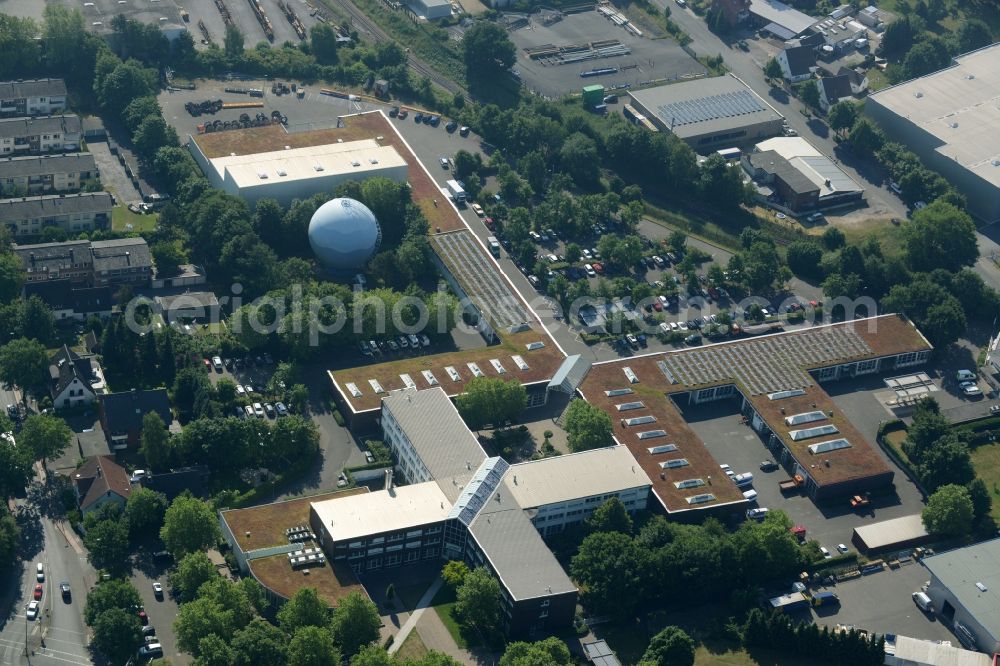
(648, 59)
(731, 442)
(97, 15)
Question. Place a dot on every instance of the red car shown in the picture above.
(598, 268)
(658, 306)
(208, 365)
(489, 223)
(143, 617)
(38, 591)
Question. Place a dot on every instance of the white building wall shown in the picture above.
(554, 518)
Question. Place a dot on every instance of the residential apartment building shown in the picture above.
(34, 97)
(88, 263)
(29, 216)
(44, 134)
(69, 172)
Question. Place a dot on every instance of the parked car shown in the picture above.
(757, 514)
(64, 589)
(38, 591)
(768, 466)
(258, 410)
(826, 553)
(40, 572)
(444, 163)
(269, 410)
(158, 590)
(32, 611)
(463, 130)
(280, 408)
(478, 210)
(842, 548)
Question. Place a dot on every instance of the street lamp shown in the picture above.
(27, 653)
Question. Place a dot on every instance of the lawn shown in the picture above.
(895, 440)
(986, 462)
(412, 648)
(122, 216)
(740, 657)
(444, 603)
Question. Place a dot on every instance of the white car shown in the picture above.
(586, 254)
(841, 548)
(157, 590)
(728, 470)
(138, 475)
(972, 390)
(478, 210)
(826, 553)
(32, 611)
(258, 410)
(240, 390)
(217, 363)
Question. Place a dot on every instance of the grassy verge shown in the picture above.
(425, 40)
(986, 462)
(444, 604)
(895, 440)
(122, 216)
(412, 648)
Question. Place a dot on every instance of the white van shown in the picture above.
(40, 573)
(923, 601)
(965, 375)
(750, 495)
(744, 479)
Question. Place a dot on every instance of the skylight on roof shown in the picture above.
(663, 448)
(781, 395)
(652, 434)
(701, 499)
(818, 431)
(689, 483)
(674, 464)
(804, 417)
(614, 393)
(829, 445)
(628, 406)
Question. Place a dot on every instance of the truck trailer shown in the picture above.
(456, 192)
(787, 603)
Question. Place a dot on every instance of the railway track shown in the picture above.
(360, 20)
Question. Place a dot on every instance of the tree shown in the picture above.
(15, 466)
(865, 137)
(548, 652)
(45, 435)
(64, 39)
(116, 633)
(193, 570)
(578, 157)
(107, 545)
(587, 427)
(233, 42)
(804, 258)
(612, 516)
(323, 41)
(24, 363)
(612, 569)
(946, 462)
(304, 609)
(355, 623)
(214, 651)
(670, 647)
(973, 34)
(949, 512)
(477, 600)
(115, 593)
(488, 51)
(833, 238)
(982, 501)
(842, 116)
(11, 276)
(489, 401)
(155, 443)
(312, 646)
(200, 618)
(808, 92)
(772, 69)
(940, 236)
(144, 511)
(259, 643)
(189, 525)
(454, 572)
(152, 134)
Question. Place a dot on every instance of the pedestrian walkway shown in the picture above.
(411, 621)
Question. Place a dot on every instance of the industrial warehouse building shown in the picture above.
(430, 9)
(965, 590)
(709, 114)
(950, 120)
(298, 173)
(789, 171)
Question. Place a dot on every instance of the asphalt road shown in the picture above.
(60, 623)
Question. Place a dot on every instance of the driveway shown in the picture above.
(113, 174)
(161, 613)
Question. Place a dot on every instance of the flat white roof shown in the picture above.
(780, 13)
(401, 508)
(918, 651)
(562, 478)
(887, 532)
(305, 163)
(959, 106)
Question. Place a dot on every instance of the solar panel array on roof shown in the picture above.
(725, 105)
(772, 364)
